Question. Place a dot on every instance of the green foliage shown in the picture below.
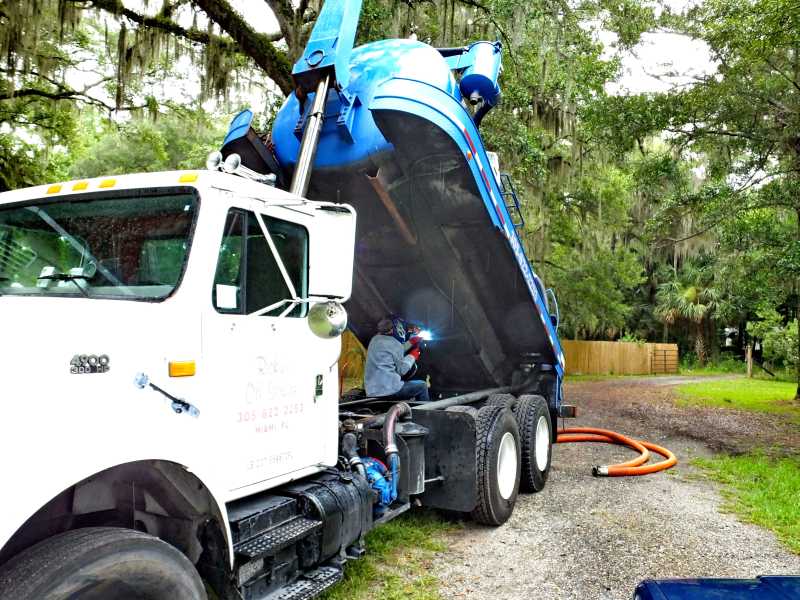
(726, 365)
(23, 163)
(173, 142)
(742, 394)
(691, 300)
(592, 290)
(632, 338)
(761, 490)
(778, 337)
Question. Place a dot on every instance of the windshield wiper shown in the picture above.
(80, 248)
(67, 277)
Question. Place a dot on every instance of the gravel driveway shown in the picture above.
(588, 538)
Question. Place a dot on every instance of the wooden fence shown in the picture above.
(619, 358)
(586, 358)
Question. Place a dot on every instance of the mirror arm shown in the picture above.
(286, 279)
(292, 303)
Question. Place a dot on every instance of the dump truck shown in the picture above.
(172, 420)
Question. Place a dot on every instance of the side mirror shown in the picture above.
(331, 251)
(327, 319)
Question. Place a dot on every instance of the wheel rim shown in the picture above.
(542, 443)
(507, 465)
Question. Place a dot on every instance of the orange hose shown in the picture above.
(635, 466)
(642, 458)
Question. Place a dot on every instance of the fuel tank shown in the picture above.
(436, 242)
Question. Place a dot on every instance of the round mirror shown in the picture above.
(327, 319)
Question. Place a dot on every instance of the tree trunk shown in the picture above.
(700, 346)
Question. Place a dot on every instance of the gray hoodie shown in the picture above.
(385, 365)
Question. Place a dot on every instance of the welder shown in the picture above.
(391, 355)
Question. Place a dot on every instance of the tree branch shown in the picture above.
(64, 92)
(163, 23)
(488, 13)
(251, 43)
(782, 74)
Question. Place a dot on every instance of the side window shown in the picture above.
(248, 277)
(228, 293)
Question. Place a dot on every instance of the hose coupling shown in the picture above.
(391, 449)
(600, 471)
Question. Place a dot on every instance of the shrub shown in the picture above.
(779, 338)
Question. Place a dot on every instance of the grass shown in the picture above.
(739, 369)
(724, 365)
(761, 490)
(397, 564)
(743, 394)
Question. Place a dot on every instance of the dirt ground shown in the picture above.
(590, 538)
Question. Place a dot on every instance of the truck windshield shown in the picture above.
(130, 245)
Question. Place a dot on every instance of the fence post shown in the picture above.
(748, 355)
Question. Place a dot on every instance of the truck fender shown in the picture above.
(159, 497)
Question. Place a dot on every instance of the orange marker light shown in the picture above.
(107, 183)
(188, 178)
(186, 368)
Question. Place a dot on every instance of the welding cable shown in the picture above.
(635, 466)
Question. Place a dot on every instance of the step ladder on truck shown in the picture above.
(173, 425)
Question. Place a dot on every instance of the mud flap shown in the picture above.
(450, 474)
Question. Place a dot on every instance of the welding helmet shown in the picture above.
(394, 326)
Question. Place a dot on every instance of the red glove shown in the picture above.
(415, 352)
(414, 341)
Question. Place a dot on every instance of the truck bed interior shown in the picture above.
(427, 249)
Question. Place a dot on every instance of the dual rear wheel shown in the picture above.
(513, 453)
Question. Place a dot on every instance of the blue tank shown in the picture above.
(350, 134)
(436, 242)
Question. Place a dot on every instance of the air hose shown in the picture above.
(635, 466)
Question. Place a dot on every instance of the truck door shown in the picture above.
(278, 418)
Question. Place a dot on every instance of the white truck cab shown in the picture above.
(147, 320)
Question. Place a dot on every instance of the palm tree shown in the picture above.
(691, 299)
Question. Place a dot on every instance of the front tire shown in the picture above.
(535, 429)
(101, 563)
(497, 457)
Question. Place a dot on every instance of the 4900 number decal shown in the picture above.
(89, 363)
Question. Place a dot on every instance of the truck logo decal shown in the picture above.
(82, 364)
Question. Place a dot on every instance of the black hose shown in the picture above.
(481, 112)
(350, 450)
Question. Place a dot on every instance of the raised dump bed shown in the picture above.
(436, 240)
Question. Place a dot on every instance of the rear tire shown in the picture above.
(535, 429)
(502, 400)
(101, 563)
(497, 458)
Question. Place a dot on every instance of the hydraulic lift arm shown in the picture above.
(325, 61)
